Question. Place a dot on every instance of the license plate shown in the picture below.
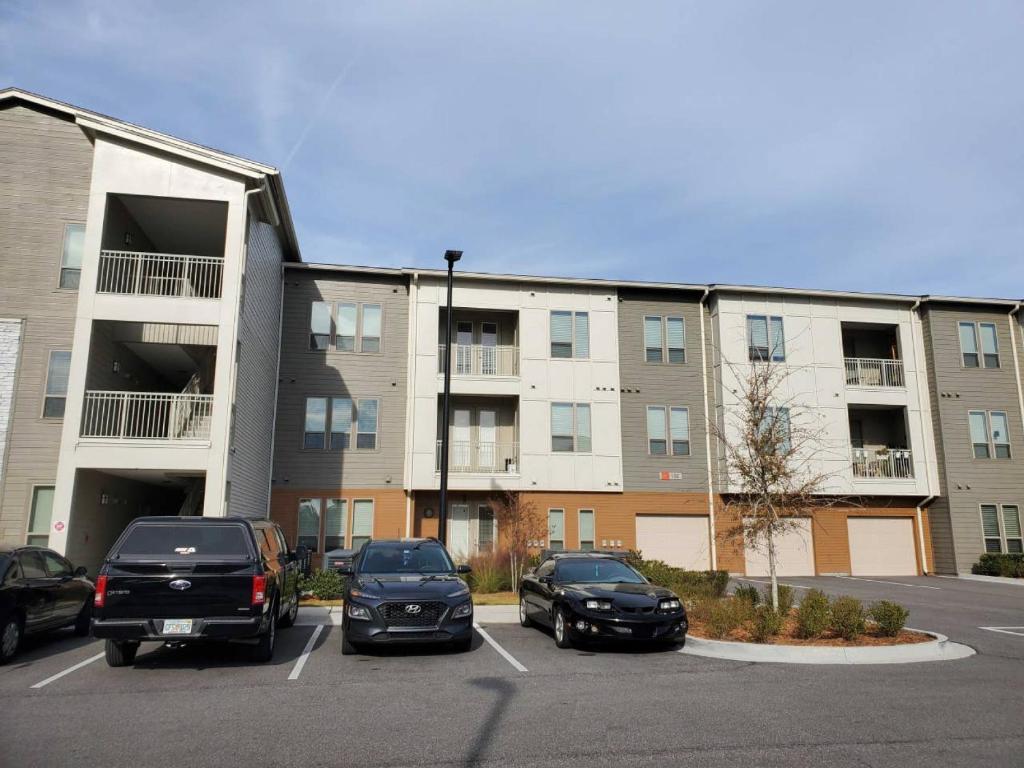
(177, 626)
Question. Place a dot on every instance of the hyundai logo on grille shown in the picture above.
(413, 608)
(180, 584)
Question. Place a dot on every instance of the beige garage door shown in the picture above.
(679, 540)
(882, 546)
(794, 553)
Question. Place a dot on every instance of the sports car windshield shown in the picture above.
(405, 558)
(595, 571)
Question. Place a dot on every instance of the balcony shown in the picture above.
(475, 457)
(158, 416)
(883, 464)
(480, 360)
(874, 372)
(132, 273)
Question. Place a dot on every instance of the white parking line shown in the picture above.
(894, 583)
(781, 584)
(68, 671)
(494, 644)
(1005, 630)
(301, 661)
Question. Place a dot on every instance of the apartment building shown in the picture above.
(140, 301)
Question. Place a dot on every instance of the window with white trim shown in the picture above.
(58, 369)
(970, 356)
(335, 524)
(570, 427)
(570, 334)
(309, 524)
(668, 430)
(776, 419)
(40, 516)
(586, 529)
(766, 338)
(346, 326)
(362, 522)
(320, 326)
(989, 434)
(1001, 529)
(71, 257)
(343, 414)
(556, 529)
(315, 429)
(664, 339)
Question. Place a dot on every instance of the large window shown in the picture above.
(570, 334)
(668, 429)
(664, 339)
(1001, 532)
(40, 515)
(335, 524)
(586, 529)
(556, 529)
(346, 326)
(57, 370)
(969, 333)
(341, 413)
(570, 427)
(71, 258)
(362, 522)
(309, 524)
(766, 339)
(989, 434)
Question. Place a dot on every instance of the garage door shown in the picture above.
(882, 546)
(679, 540)
(794, 553)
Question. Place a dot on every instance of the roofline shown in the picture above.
(94, 122)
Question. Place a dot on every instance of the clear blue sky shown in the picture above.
(874, 146)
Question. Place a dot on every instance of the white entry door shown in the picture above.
(461, 456)
(487, 432)
(680, 540)
(794, 553)
(882, 546)
(488, 349)
(458, 532)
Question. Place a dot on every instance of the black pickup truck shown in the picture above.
(189, 579)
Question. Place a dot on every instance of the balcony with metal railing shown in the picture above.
(883, 464)
(874, 372)
(133, 273)
(480, 360)
(476, 457)
(149, 416)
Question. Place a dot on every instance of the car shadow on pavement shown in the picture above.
(416, 649)
(201, 656)
(37, 648)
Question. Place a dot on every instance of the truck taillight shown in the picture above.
(100, 597)
(259, 590)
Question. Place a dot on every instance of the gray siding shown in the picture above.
(966, 482)
(259, 337)
(45, 170)
(306, 373)
(664, 384)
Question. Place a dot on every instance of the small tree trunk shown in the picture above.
(771, 570)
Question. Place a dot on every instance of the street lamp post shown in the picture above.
(442, 513)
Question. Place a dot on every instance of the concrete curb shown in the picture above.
(939, 649)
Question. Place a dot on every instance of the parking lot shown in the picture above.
(515, 699)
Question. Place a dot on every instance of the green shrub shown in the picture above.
(688, 585)
(1010, 565)
(767, 623)
(890, 617)
(847, 617)
(490, 573)
(324, 585)
(785, 600)
(748, 593)
(812, 617)
(725, 616)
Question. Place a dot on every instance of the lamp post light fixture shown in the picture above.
(442, 513)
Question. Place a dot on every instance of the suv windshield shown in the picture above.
(596, 571)
(189, 540)
(401, 557)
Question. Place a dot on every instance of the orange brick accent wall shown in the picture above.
(388, 509)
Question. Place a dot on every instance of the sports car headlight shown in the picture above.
(598, 605)
(462, 611)
(669, 605)
(358, 612)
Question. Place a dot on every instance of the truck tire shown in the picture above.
(263, 651)
(84, 619)
(289, 618)
(120, 654)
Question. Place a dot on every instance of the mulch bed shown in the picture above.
(788, 636)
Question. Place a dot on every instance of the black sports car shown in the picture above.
(591, 596)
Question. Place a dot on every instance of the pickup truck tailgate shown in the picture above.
(178, 591)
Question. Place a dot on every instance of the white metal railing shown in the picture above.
(883, 463)
(481, 457)
(159, 274)
(146, 415)
(874, 372)
(481, 360)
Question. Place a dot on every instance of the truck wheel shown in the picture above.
(347, 649)
(289, 618)
(10, 638)
(83, 620)
(120, 654)
(263, 651)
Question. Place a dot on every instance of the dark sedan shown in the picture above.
(40, 590)
(591, 596)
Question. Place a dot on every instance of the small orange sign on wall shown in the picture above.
(670, 475)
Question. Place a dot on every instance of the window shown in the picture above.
(969, 333)
(369, 341)
(1011, 529)
(56, 396)
(664, 339)
(362, 522)
(765, 338)
(1007, 538)
(309, 524)
(32, 565)
(657, 442)
(570, 334)
(320, 326)
(674, 433)
(586, 529)
(71, 259)
(346, 339)
(40, 515)
(366, 423)
(775, 423)
(56, 566)
(679, 423)
(335, 524)
(989, 434)
(556, 529)
(316, 422)
(485, 529)
(570, 427)
(341, 422)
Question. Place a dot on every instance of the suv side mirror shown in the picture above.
(464, 569)
(81, 571)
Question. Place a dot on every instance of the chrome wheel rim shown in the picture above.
(559, 626)
(522, 609)
(10, 639)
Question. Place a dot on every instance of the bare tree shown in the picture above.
(519, 522)
(772, 451)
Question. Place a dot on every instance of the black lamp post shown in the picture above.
(442, 513)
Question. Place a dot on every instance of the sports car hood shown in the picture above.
(620, 594)
(404, 586)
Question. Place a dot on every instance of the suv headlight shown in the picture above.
(598, 605)
(358, 612)
(462, 611)
(671, 604)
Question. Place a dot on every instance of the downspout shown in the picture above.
(707, 431)
(277, 391)
(914, 319)
(410, 400)
(920, 532)
(1016, 359)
